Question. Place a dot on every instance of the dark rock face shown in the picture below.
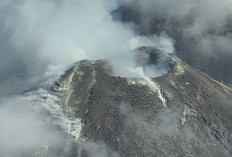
(182, 113)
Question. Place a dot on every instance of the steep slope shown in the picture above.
(182, 113)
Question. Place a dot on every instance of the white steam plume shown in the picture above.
(60, 32)
(47, 35)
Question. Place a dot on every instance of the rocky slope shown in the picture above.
(182, 113)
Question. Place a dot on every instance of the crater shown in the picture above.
(143, 61)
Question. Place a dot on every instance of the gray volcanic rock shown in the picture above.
(182, 113)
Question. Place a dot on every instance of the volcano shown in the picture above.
(181, 113)
(115, 78)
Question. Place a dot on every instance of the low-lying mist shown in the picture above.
(27, 130)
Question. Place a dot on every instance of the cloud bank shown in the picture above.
(62, 31)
